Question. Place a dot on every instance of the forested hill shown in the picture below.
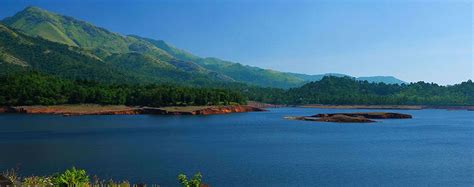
(19, 51)
(157, 61)
(348, 91)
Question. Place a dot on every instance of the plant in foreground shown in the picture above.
(37, 181)
(193, 182)
(71, 177)
(11, 174)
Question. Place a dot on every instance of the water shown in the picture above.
(435, 148)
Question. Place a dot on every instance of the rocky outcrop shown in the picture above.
(345, 119)
(358, 117)
(369, 115)
(207, 110)
(334, 118)
(227, 109)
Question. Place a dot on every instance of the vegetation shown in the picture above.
(348, 91)
(193, 182)
(72, 177)
(32, 88)
(93, 65)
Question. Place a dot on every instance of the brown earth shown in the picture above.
(358, 117)
(369, 115)
(334, 118)
(71, 110)
(200, 110)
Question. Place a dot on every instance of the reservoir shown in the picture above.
(435, 148)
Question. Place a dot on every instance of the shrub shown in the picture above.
(37, 181)
(71, 177)
(194, 182)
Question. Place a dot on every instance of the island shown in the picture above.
(93, 109)
(357, 117)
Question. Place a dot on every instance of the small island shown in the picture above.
(357, 117)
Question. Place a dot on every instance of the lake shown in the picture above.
(435, 148)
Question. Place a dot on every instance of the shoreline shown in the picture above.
(93, 109)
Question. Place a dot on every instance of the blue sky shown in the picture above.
(413, 40)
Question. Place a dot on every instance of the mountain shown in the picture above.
(236, 71)
(135, 56)
(384, 79)
(20, 52)
(257, 75)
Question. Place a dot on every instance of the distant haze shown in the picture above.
(411, 40)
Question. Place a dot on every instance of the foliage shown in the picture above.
(193, 182)
(37, 181)
(11, 174)
(71, 177)
(348, 91)
(79, 177)
(32, 88)
(109, 183)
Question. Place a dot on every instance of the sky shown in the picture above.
(413, 40)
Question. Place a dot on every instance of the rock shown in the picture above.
(202, 110)
(369, 115)
(345, 119)
(358, 117)
(227, 109)
(333, 118)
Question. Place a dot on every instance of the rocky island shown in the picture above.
(357, 117)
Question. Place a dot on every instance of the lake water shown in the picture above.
(435, 148)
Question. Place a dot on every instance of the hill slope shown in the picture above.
(166, 60)
(19, 52)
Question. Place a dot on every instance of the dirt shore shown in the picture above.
(91, 109)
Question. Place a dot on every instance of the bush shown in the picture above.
(37, 181)
(71, 177)
(194, 182)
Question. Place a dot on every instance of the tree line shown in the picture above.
(33, 88)
(348, 91)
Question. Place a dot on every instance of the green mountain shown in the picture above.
(236, 71)
(20, 52)
(255, 75)
(134, 56)
(384, 79)
(67, 30)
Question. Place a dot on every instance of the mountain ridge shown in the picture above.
(103, 44)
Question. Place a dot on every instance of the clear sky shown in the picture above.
(413, 40)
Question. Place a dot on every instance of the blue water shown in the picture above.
(435, 148)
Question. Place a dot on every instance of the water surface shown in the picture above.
(435, 148)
